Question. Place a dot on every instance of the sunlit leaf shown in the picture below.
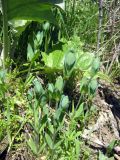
(64, 102)
(30, 52)
(79, 111)
(49, 140)
(59, 84)
(54, 59)
(85, 61)
(35, 10)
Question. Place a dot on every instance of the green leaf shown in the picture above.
(54, 59)
(43, 123)
(64, 103)
(49, 140)
(111, 147)
(30, 52)
(69, 61)
(43, 100)
(58, 113)
(42, 147)
(32, 146)
(59, 84)
(79, 111)
(50, 87)
(51, 128)
(46, 110)
(93, 86)
(58, 144)
(96, 64)
(2, 74)
(39, 38)
(38, 87)
(84, 85)
(29, 80)
(30, 94)
(46, 26)
(77, 145)
(85, 61)
(35, 10)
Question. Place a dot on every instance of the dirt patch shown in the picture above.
(106, 126)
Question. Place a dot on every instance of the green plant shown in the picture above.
(44, 122)
(29, 10)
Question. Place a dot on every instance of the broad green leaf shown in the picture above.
(85, 61)
(49, 140)
(59, 84)
(54, 59)
(35, 10)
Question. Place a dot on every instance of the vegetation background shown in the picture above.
(60, 80)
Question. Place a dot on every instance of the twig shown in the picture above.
(100, 23)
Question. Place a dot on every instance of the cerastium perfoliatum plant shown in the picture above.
(47, 120)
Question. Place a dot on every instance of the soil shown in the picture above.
(106, 126)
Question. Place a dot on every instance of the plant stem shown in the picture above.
(100, 23)
(5, 31)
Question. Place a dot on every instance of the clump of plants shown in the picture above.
(48, 78)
